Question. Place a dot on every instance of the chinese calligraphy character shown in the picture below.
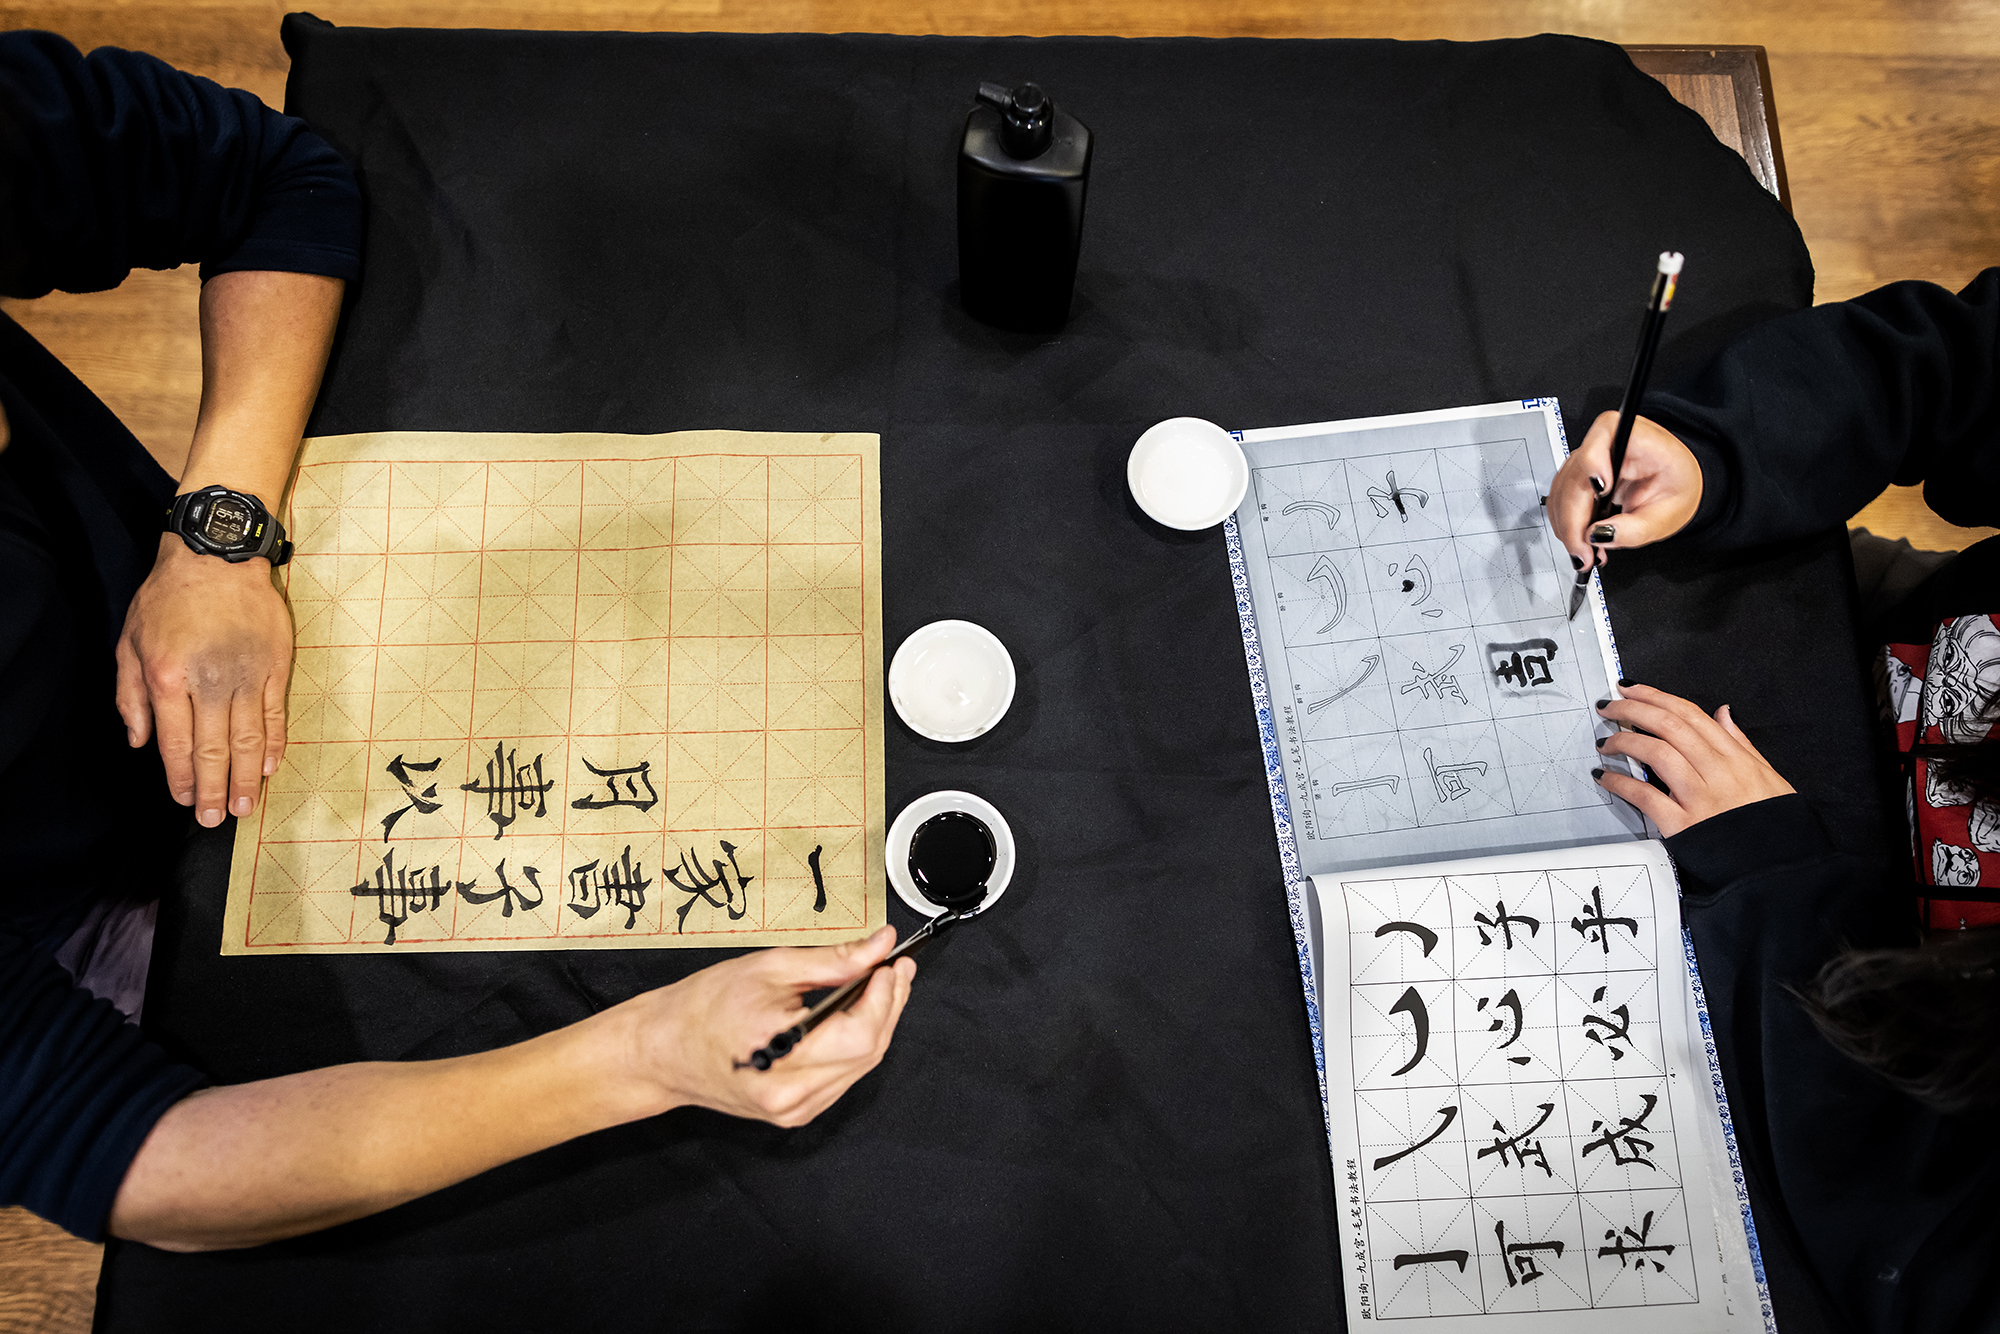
(1437, 684)
(1525, 665)
(1521, 1147)
(619, 883)
(1449, 1114)
(1412, 1004)
(1395, 495)
(1627, 1147)
(819, 883)
(1502, 921)
(1612, 1034)
(699, 883)
(1595, 927)
(1512, 1003)
(1521, 1253)
(1635, 1255)
(397, 893)
(400, 769)
(1423, 933)
(1433, 1258)
(630, 797)
(1449, 779)
(508, 894)
(509, 790)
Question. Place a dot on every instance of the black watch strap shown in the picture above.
(236, 526)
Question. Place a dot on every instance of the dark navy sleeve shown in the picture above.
(80, 1089)
(116, 161)
(1802, 421)
(1890, 1201)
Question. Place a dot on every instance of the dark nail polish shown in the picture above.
(1603, 704)
(1626, 683)
(1600, 742)
(1576, 562)
(1597, 773)
(1597, 486)
(1604, 533)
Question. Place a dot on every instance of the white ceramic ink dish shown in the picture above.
(904, 827)
(951, 681)
(1187, 473)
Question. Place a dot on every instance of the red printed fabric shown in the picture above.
(1935, 694)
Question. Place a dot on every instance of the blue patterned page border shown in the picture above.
(1281, 809)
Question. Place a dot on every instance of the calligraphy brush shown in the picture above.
(845, 995)
(1662, 298)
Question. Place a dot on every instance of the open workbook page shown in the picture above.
(1406, 615)
(1521, 1103)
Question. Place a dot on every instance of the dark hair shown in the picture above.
(1927, 1020)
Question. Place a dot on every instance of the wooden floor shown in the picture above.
(1889, 116)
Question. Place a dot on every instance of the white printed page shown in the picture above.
(1522, 1122)
(1429, 696)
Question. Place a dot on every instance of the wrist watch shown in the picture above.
(216, 521)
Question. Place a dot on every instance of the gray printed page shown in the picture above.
(1429, 696)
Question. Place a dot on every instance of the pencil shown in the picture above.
(1665, 278)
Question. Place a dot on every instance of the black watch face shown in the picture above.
(228, 522)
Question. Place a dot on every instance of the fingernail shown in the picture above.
(270, 765)
(1597, 773)
(241, 806)
(211, 817)
(1597, 486)
(1576, 562)
(1626, 683)
(1604, 533)
(184, 798)
(1600, 742)
(132, 736)
(1603, 704)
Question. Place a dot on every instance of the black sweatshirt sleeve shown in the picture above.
(116, 161)
(1890, 1201)
(80, 1089)
(1802, 421)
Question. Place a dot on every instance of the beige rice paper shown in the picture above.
(575, 692)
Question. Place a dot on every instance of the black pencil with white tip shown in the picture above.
(1665, 278)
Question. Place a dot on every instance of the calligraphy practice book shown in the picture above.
(575, 692)
(1527, 1126)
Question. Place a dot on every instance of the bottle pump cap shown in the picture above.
(1027, 117)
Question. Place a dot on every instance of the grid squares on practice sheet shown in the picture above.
(1436, 675)
(573, 701)
(1518, 1150)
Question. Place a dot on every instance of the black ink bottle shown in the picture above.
(951, 856)
(1023, 167)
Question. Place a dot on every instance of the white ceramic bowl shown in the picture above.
(1187, 473)
(951, 680)
(904, 827)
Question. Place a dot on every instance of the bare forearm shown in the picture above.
(264, 342)
(252, 1163)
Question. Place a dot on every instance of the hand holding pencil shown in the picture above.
(1659, 489)
(1611, 488)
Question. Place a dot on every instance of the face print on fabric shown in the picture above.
(1963, 678)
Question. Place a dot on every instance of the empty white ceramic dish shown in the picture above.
(904, 827)
(1187, 473)
(951, 680)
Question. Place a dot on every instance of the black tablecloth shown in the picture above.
(1100, 1110)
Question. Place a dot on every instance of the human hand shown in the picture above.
(204, 661)
(691, 1042)
(1659, 486)
(1708, 765)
